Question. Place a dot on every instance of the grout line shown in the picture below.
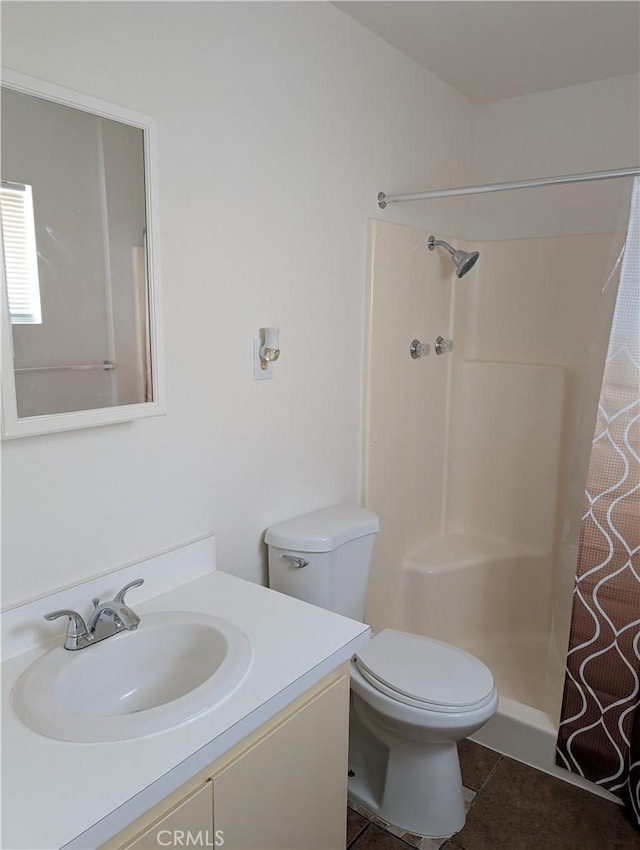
(489, 778)
(361, 833)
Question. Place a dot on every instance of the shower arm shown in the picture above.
(440, 243)
(586, 177)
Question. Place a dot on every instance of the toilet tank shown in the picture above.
(333, 547)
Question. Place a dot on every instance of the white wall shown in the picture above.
(278, 125)
(591, 127)
(565, 131)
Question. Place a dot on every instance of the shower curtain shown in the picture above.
(599, 735)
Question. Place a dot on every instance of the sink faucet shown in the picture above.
(106, 619)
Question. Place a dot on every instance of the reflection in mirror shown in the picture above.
(74, 201)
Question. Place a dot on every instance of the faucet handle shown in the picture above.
(119, 597)
(443, 346)
(77, 627)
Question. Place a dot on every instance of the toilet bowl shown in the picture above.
(412, 698)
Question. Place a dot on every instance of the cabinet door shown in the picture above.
(189, 824)
(288, 791)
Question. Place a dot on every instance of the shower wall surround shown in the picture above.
(536, 308)
(472, 457)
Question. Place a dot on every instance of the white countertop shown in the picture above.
(57, 794)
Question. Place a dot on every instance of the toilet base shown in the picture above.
(413, 785)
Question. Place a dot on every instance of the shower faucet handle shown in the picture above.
(419, 349)
(443, 346)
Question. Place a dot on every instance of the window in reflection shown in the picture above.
(20, 254)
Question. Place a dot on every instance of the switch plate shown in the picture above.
(258, 373)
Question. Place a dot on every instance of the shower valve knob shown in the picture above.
(419, 349)
(443, 346)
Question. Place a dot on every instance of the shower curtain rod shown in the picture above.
(586, 177)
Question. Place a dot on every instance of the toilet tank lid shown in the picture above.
(324, 530)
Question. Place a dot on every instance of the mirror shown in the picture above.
(80, 301)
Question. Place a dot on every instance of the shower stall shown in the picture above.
(481, 396)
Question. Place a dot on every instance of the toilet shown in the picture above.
(412, 697)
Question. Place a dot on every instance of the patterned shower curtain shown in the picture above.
(599, 735)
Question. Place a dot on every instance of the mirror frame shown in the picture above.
(16, 426)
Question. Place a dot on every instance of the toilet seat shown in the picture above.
(425, 673)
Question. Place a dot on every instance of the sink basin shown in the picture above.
(174, 667)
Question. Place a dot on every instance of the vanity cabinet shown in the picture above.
(193, 815)
(283, 788)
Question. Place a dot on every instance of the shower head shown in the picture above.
(462, 260)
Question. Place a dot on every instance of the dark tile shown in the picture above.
(355, 824)
(524, 809)
(375, 838)
(476, 763)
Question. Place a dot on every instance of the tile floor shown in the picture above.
(509, 807)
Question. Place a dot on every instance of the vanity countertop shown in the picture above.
(57, 794)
